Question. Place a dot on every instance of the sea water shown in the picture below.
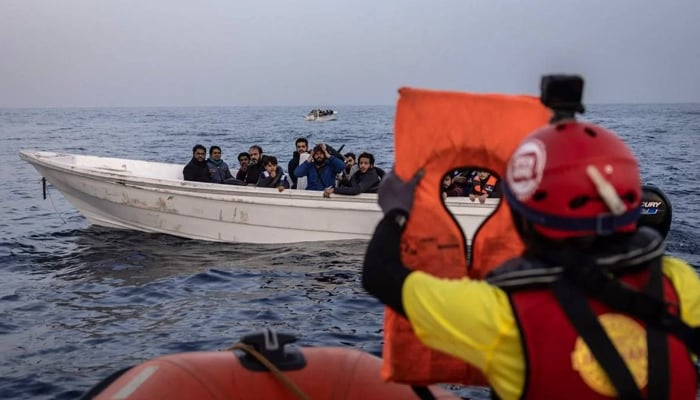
(78, 302)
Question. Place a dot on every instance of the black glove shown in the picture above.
(395, 194)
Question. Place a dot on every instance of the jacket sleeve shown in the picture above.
(227, 172)
(337, 164)
(359, 183)
(187, 173)
(302, 169)
(284, 182)
(383, 274)
(265, 180)
(292, 166)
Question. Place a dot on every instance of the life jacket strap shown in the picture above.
(584, 320)
(658, 358)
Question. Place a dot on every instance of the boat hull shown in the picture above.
(108, 192)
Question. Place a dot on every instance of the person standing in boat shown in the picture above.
(320, 169)
(218, 169)
(365, 180)
(197, 169)
(591, 309)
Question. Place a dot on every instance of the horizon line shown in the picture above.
(301, 106)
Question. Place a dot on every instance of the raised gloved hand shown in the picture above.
(396, 194)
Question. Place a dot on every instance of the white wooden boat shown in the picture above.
(153, 197)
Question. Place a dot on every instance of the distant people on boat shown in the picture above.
(484, 186)
(218, 169)
(592, 308)
(450, 188)
(365, 180)
(243, 162)
(300, 154)
(320, 169)
(255, 168)
(321, 113)
(197, 169)
(273, 176)
(462, 180)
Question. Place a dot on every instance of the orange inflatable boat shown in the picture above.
(439, 132)
(260, 367)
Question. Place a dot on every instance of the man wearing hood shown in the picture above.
(197, 169)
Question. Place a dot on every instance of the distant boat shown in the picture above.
(321, 115)
(153, 197)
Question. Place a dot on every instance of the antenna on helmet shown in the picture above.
(562, 94)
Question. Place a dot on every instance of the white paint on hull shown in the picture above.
(152, 197)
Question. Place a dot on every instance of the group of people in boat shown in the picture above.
(476, 184)
(320, 113)
(321, 169)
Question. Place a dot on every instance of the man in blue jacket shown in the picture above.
(320, 169)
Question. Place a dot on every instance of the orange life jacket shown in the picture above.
(483, 188)
(440, 132)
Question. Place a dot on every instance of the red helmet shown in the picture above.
(574, 179)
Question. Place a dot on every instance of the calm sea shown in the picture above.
(78, 302)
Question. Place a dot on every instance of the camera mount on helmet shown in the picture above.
(562, 94)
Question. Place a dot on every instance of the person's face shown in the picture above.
(254, 155)
(200, 154)
(271, 168)
(244, 161)
(349, 162)
(216, 155)
(302, 147)
(363, 164)
(319, 157)
(483, 174)
(446, 181)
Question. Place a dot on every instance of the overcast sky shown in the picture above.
(332, 52)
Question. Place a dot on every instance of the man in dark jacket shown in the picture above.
(365, 180)
(255, 168)
(219, 171)
(302, 147)
(197, 169)
(320, 169)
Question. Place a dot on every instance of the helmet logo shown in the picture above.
(525, 169)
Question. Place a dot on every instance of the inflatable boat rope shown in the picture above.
(270, 366)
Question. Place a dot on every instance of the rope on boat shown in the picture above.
(46, 192)
(291, 386)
